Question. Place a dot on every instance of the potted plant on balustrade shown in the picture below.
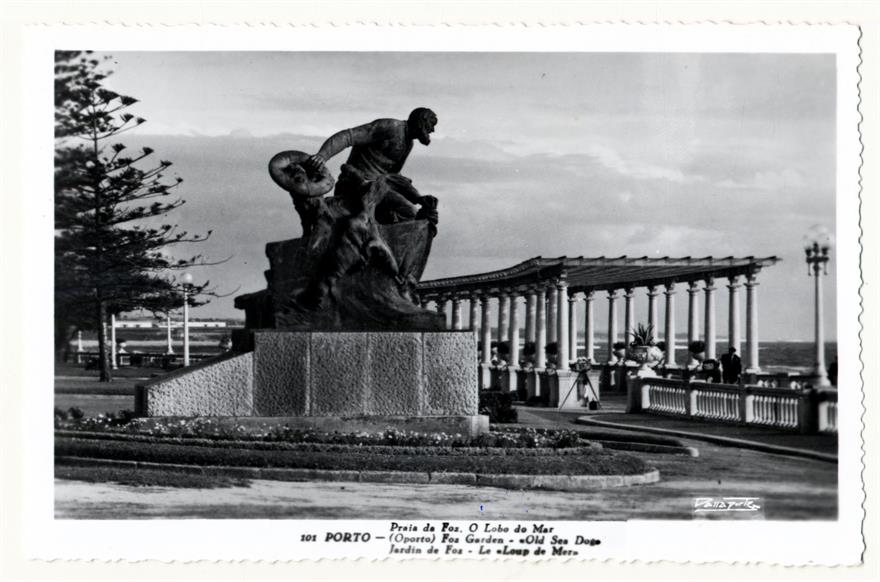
(643, 350)
(697, 351)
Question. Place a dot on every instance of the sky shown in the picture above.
(551, 154)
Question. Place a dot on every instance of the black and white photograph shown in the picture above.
(478, 299)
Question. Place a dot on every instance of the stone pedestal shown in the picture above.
(336, 376)
(485, 374)
(570, 391)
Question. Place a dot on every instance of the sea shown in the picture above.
(773, 356)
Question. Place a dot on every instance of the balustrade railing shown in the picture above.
(828, 411)
(140, 360)
(805, 410)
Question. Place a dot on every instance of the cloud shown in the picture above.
(767, 180)
(535, 154)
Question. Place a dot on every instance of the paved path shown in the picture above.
(798, 489)
(822, 445)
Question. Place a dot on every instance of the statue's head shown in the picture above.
(421, 124)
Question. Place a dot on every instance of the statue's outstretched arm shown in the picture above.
(360, 135)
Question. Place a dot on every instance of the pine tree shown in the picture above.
(110, 245)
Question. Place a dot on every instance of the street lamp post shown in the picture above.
(113, 357)
(169, 347)
(186, 284)
(817, 244)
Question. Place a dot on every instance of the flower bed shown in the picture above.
(227, 442)
(585, 447)
(228, 429)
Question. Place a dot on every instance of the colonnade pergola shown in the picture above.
(551, 289)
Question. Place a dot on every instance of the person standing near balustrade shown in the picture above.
(731, 365)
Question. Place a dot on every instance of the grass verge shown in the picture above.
(146, 477)
(591, 462)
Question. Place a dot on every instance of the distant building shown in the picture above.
(207, 323)
(145, 324)
(133, 324)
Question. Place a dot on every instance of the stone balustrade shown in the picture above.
(804, 410)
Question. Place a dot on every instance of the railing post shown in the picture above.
(633, 395)
(808, 412)
(742, 403)
(690, 395)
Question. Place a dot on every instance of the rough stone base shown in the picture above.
(413, 378)
(220, 386)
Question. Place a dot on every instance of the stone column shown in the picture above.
(628, 312)
(540, 331)
(669, 328)
(552, 330)
(441, 309)
(513, 331)
(486, 330)
(486, 343)
(572, 326)
(562, 354)
(693, 316)
(474, 312)
(503, 316)
(612, 324)
(531, 304)
(733, 334)
(709, 322)
(456, 312)
(752, 323)
(589, 327)
(652, 308)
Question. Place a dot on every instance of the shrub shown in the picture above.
(642, 335)
(498, 406)
(75, 413)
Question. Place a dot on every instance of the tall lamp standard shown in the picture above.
(186, 284)
(817, 244)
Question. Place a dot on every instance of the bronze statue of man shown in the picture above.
(379, 149)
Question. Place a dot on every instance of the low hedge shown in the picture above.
(590, 462)
(585, 447)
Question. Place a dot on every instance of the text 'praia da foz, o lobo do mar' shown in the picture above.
(466, 539)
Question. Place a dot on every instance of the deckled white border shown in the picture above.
(804, 542)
